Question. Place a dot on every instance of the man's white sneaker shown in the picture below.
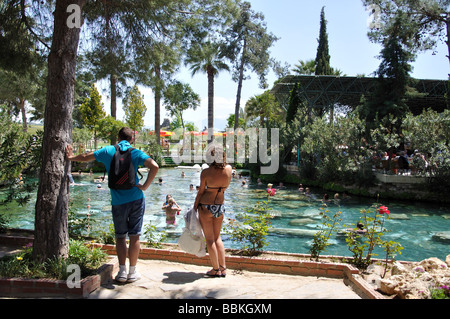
(121, 276)
(134, 277)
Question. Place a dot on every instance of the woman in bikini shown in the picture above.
(210, 204)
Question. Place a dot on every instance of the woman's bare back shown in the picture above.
(214, 181)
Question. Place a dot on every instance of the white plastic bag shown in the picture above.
(192, 239)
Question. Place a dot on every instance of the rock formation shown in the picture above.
(413, 280)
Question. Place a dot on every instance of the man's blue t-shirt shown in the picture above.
(106, 154)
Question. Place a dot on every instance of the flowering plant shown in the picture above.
(442, 292)
(365, 243)
(383, 210)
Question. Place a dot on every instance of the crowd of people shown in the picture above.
(402, 161)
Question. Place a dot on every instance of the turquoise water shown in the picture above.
(412, 224)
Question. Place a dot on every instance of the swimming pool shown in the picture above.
(296, 216)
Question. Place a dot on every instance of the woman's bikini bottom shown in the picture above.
(215, 210)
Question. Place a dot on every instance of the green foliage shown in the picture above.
(322, 61)
(429, 132)
(294, 103)
(391, 248)
(152, 147)
(231, 120)
(106, 235)
(92, 109)
(389, 97)
(87, 257)
(326, 229)
(81, 135)
(153, 237)
(77, 226)
(363, 243)
(17, 45)
(266, 109)
(3, 223)
(247, 44)
(251, 227)
(206, 58)
(134, 108)
(442, 292)
(336, 152)
(109, 127)
(179, 97)
(20, 155)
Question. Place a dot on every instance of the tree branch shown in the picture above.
(27, 25)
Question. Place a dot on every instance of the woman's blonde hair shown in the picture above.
(216, 156)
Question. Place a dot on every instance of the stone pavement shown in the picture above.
(171, 280)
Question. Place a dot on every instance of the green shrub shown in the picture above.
(253, 228)
(442, 292)
(153, 237)
(362, 244)
(326, 229)
(21, 265)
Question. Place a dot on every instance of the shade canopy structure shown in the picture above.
(204, 133)
(322, 91)
(163, 133)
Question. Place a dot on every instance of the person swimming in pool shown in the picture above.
(210, 202)
(171, 209)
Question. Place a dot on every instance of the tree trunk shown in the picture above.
(210, 73)
(239, 91)
(24, 115)
(51, 230)
(158, 106)
(447, 22)
(113, 83)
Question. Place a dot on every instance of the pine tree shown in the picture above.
(389, 97)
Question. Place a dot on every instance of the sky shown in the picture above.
(296, 23)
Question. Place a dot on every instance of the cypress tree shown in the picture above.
(294, 102)
(323, 56)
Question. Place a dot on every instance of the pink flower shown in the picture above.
(383, 210)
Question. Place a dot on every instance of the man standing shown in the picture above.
(128, 205)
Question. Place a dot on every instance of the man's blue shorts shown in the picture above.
(128, 218)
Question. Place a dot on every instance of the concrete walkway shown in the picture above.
(169, 280)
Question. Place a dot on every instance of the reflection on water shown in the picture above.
(295, 216)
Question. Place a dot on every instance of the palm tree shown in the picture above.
(263, 107)
(207, 58)
(154, 68)
(307, 67)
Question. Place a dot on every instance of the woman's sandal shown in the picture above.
(216, 274)
(222, 271)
